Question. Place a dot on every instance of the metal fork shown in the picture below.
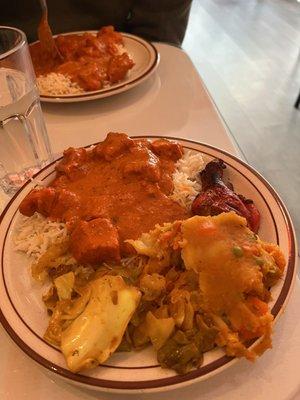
(47, 42)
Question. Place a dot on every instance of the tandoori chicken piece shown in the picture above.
(115, 145)
(118, 67)
(216, 197)
(40, 200)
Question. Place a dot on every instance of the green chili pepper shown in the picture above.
(259, 261)
(237, 251)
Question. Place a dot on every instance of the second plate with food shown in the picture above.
(145, 57)
(24, 317)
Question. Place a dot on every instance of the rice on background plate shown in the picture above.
(54, 84)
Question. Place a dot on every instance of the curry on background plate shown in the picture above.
(84, 62)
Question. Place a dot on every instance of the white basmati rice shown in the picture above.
(35, 234)
(186, 184)
(54, 84)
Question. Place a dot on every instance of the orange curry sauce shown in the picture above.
(114, 192)
(89, 60)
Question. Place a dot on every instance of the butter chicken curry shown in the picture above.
(109, 194)
(89, 60)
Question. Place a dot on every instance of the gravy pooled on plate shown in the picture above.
(114, 192)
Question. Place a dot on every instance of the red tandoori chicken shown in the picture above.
(217, 197)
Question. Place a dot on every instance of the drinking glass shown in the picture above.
(24, 144)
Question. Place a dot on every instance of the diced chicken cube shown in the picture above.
(58, 204)
(118, 67)
(95, 241)
(73, 162)
(65, 206)
(166, 149)
(115, 145)
(40, 200)
(95, 207)
(144, 164)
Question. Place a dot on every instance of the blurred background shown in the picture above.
(248, 54)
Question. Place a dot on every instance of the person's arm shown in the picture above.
(159, 20)
(64, 15)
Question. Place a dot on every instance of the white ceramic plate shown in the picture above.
(145, 57)
(24, 317)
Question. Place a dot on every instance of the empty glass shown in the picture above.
(24, 144)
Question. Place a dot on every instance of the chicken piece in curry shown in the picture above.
(109, 194)
(89, 60)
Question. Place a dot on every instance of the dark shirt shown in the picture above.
(157, 20)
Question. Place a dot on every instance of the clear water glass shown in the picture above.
(24, 143)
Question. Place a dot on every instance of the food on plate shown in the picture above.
(217, 278)
(235, 271)
(84, 62)
(217, 197)
(92, 333)
(130, 265)
(111, 193)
